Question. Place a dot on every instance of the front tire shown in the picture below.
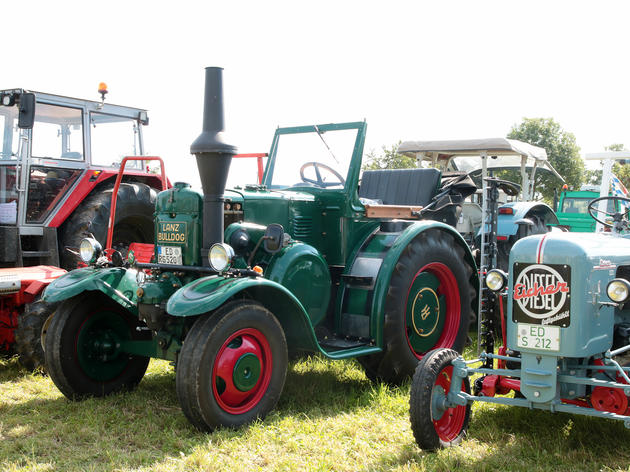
(428, 305)
(433, 425)
(83, 353)
(233, 365)
(28, 334)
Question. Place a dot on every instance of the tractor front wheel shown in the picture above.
(428, 306)
(83, 347)
(232, 366)
(433, 423)
(28, 334)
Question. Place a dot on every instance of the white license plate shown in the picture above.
(546, 338)
(170, 255)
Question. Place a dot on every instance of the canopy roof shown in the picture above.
(509, 153)
(460, 147)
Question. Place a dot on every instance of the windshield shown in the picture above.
(313, 159)
(114, 137)
(10, 132)
(57, 132)
(580, 205)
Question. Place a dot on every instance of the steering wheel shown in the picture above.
(509, 188)
(320, 182)
(618, 217)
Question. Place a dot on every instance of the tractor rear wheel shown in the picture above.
(135, 206)
(83, 352)
(28, 334)
(433, 424)
(429, 305)
(232, 366)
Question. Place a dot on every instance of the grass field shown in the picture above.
(330, 417)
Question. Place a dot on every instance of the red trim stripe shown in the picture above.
(541, 246)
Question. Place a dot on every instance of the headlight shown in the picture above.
(90, 250)
(496, 280)
(618, 290)
(220, 256)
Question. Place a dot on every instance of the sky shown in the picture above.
(412, 69)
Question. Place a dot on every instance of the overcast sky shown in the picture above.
(413, 70)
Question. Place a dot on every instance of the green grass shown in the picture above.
(330, 417)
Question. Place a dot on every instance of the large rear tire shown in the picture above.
(429, 305)
(28, 334)
(135, 206)
(433, 425)
(232, 366)
(82, 349)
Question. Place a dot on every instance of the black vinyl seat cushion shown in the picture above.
(400, 186)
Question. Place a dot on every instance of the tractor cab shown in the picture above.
(54, 151)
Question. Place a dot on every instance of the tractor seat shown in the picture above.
(400, 186)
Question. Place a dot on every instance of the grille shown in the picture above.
(302, 227)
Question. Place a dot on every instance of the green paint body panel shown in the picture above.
(178, 222)
(117, 283)
(302, 270)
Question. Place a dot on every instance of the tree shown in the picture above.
(562, 151)
(388, 159)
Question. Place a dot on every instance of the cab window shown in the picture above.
(57, 132)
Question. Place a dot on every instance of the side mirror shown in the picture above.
(274, 236)
(26, 117)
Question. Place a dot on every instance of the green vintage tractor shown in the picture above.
(310, 261)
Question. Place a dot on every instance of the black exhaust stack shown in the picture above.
(213, 160)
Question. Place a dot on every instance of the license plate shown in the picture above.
(170, 255)
(530, 336)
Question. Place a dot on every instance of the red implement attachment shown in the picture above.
(18, 286)
(259, 159)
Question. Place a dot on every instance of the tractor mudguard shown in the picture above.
(209, 293)
(391, 256)
(117, 283)
(506, 223)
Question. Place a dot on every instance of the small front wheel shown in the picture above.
(433, 424)
(83, 347)
(232, 366)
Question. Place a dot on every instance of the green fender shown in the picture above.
(209, 293)
(390, 260)
(117, 283)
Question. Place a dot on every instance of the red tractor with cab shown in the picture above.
(59, 158)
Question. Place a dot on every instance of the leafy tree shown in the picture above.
(388, 159)
(562, 151)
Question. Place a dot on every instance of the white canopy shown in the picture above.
(508, 152)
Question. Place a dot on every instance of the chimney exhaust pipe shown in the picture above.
(213, 160)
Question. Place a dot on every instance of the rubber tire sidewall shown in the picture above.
(420, 399)
(28, 340)
(135, 206)
(398, 362)
(194, 381)
(61, 356)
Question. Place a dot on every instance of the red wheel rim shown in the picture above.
(242, 371)
(450, 423)
(449, 289)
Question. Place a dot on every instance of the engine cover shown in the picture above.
(557, 281)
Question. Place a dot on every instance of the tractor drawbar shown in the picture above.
(213, 160)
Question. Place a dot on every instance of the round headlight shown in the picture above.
(220, 256)
(618, 290)
(90, 250)
(496, 280)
